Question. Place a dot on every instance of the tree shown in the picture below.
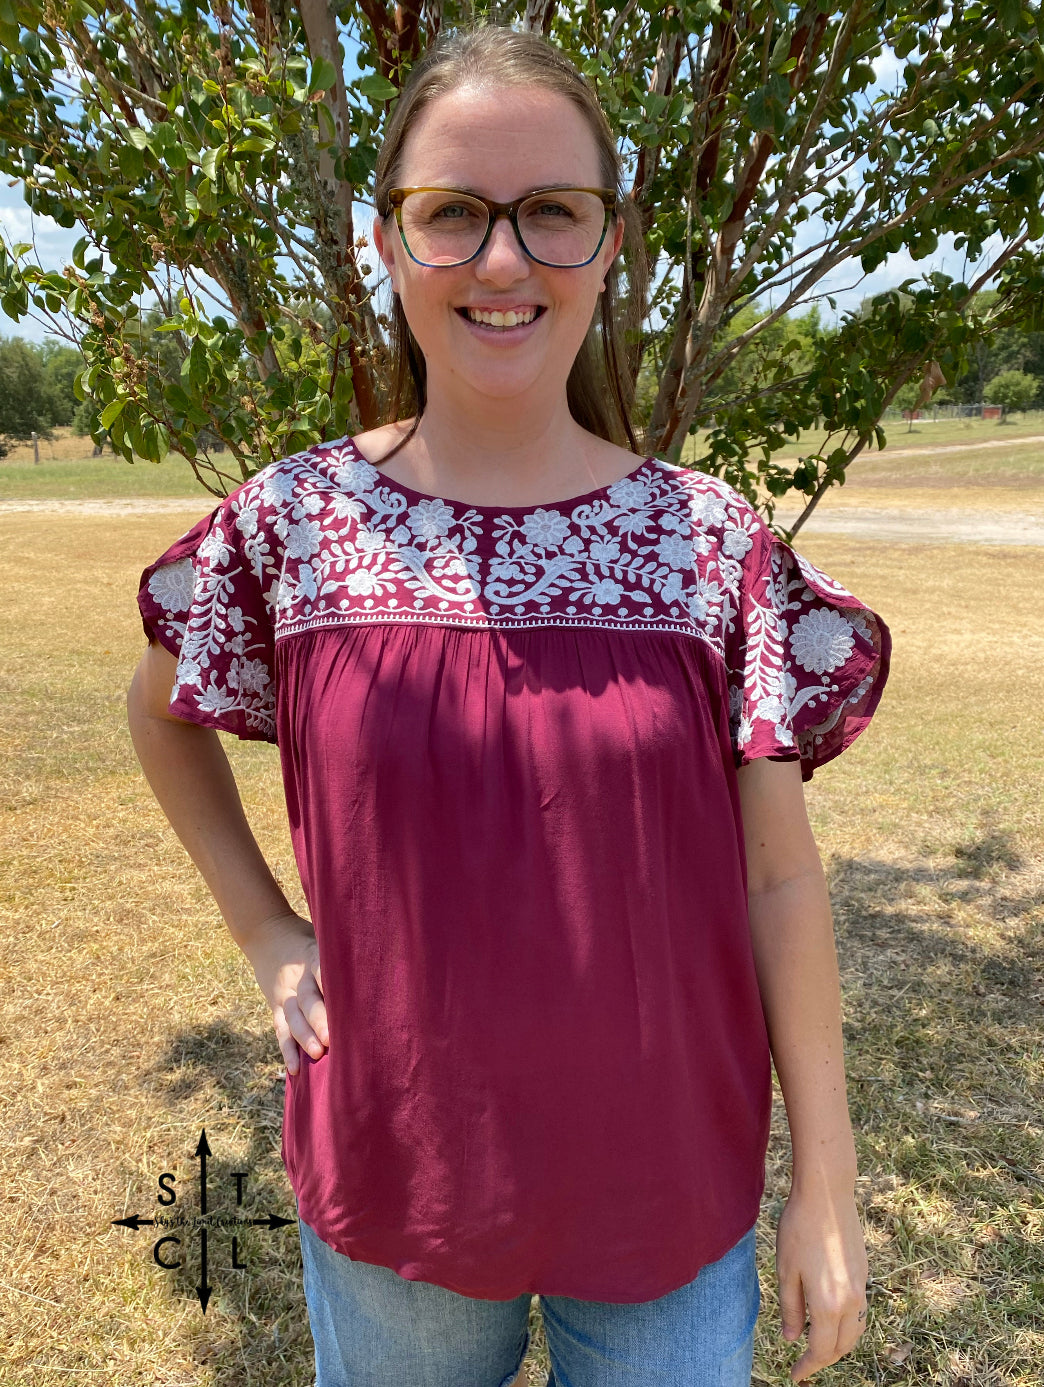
(1013, 390)
(218, 157)
(61, 365)
(26, 405)
(906, 400)
(1016, 347)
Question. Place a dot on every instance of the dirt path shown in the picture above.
(955, 447)
(151, 505)
(935, 526)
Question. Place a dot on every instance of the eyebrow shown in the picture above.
(544, 188)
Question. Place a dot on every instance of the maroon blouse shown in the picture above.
(509, 738)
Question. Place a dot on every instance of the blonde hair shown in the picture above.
(600, 388)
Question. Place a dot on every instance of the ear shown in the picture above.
(613, 245)
(386, 247)
(618, 236)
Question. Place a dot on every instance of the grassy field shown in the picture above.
(986, 456)
(67, 471)
(130, 1019)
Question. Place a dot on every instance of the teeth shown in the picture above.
(511, 318)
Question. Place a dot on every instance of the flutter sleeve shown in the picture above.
(204, 600)
(807, 661)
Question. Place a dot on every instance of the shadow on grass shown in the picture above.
(942, 964)
(256, 1324)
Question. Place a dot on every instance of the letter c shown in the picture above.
(170, 1266)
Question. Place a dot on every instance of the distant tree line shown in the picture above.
(36, 389)
(1006, 367)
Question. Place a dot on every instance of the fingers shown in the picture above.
(285, 958)
(831, 1334)
(822, 1341)
(313, 1008)
(301, 1029)
(287, 1045)
(792, 1306)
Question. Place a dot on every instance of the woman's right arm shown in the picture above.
(189, 773)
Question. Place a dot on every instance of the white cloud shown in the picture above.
(19, 224)
(887, 68)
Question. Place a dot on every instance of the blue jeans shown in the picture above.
(373, 1328)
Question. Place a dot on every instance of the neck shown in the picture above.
(502, 451)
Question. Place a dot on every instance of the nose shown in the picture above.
(503, 261)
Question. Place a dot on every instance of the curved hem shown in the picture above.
(747, 1222)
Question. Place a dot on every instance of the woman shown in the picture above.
(543, 707)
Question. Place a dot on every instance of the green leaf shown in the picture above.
(1010, 14)
(323, 76)
(376, 87)
(780, 51)
(212, 160)
(197, 363)
(254, 144)
(132, 163)
(112, 412)
(759, 109)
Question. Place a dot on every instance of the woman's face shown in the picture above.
(501, 144)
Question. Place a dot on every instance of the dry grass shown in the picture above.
(63, 446)
(130, 1019)
(983, 476)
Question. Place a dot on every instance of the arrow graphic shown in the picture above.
(202, 1151)
(203, 1224)
(203, 1290)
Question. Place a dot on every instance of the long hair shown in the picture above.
(600, 389)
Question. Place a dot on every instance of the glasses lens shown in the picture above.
(564, 227)
(442, 228)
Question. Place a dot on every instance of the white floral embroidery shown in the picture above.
(545, 528)
(172, 586)
(630, 494)
(710, 509)
(736, 543)
(430, 519)
(215, 549)
(302, 539)
(821, 640)
(277, 486)
(604, 550)
(675, 551)
(606, 591)
(325, 539)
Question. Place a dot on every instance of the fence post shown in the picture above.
(36, 448)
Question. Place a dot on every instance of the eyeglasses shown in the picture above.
(560, 227)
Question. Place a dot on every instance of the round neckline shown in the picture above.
(571, 501)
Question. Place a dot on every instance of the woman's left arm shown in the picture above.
(821, 1262)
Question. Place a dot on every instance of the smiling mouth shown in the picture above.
(494, 318)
